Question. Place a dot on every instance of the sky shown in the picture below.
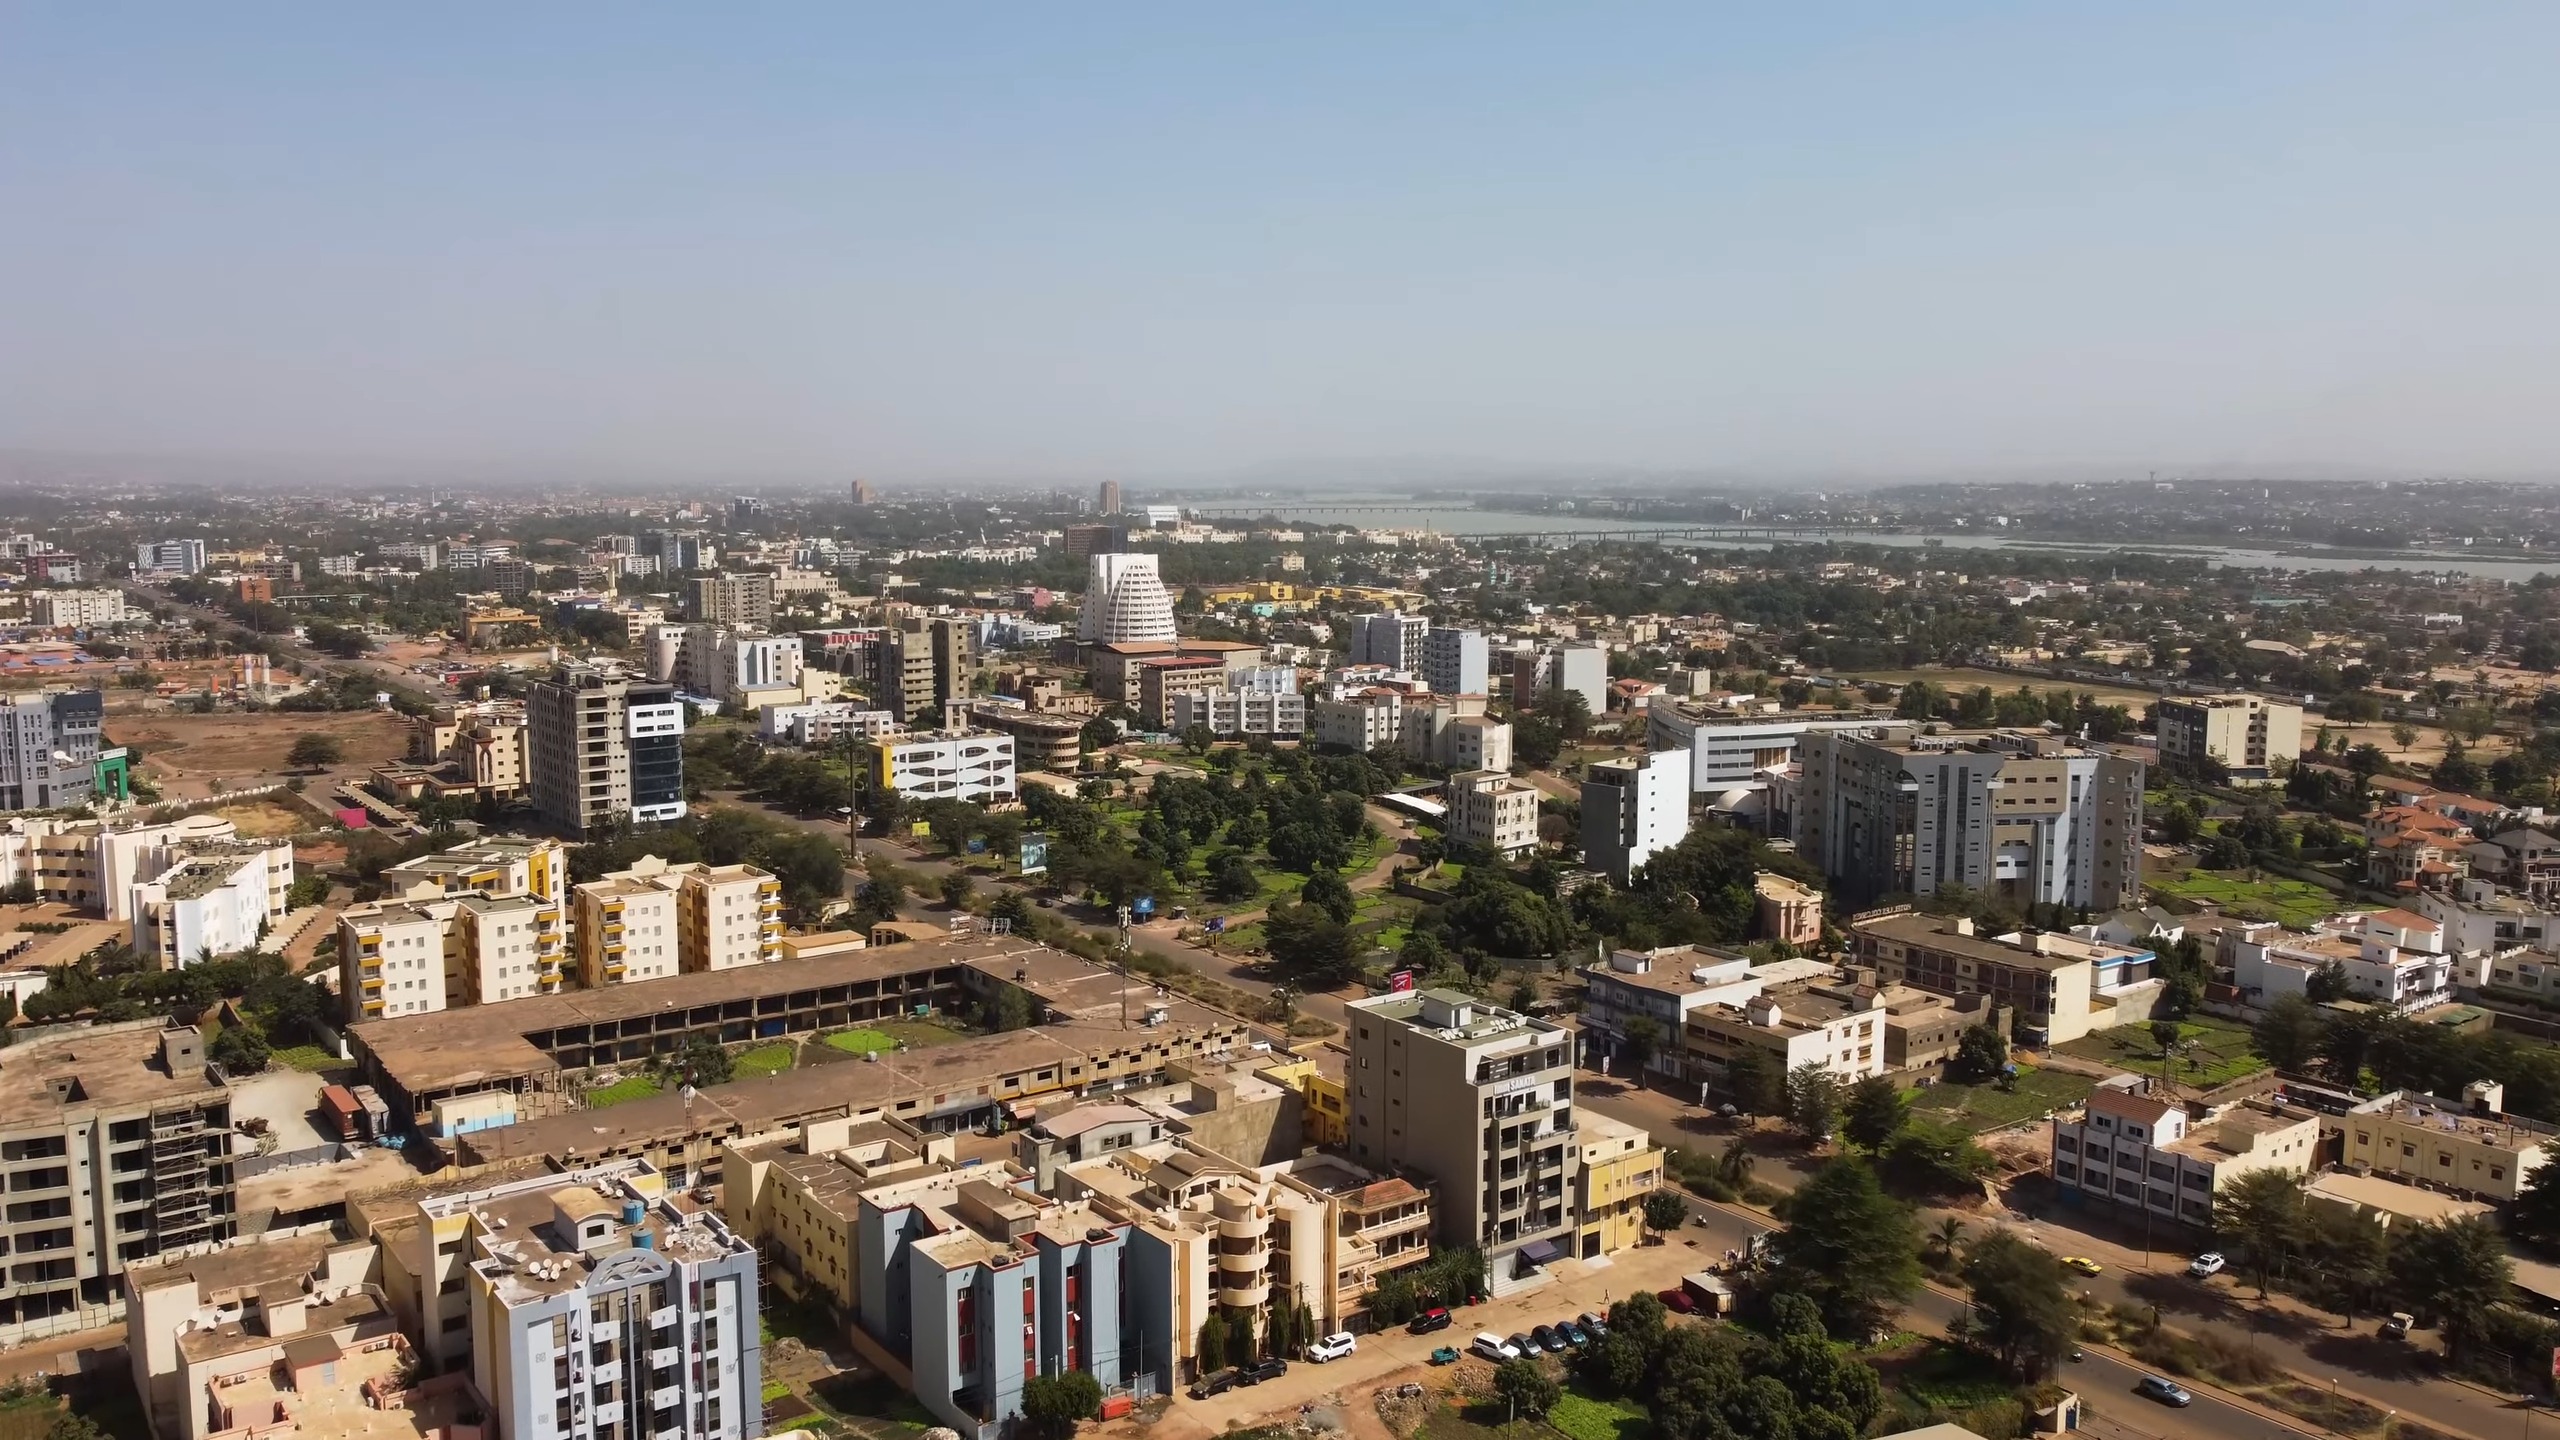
(776, 243)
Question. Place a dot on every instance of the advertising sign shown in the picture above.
(1401, 980)
(1035, 854)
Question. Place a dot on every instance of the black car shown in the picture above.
(1548, 1340)
(1435, 1318)
(1217, 1384)
(1262, 1370)
(1572, 1334)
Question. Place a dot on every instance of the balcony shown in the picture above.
(1247, 1262)
(1243, 1297)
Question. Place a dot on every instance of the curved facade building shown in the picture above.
(1125, 601)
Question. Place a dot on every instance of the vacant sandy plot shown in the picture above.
(1961, 680)
(234, 746)
(2422, 753)
(267, 819)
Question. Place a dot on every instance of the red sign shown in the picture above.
(1403, 980)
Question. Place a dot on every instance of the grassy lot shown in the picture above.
(2293, 903)
(1977, 1108)
(2220, 1051)
(1480, 1422)
(766, 1060)
(310, 1059)
(862, 1041)
(629, 1087)
(1588, 1417)
(888, 1034)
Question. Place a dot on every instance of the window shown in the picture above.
(2065, 1170)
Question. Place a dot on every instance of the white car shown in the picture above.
(1332, 1347)
(1494, 1348)
(2206, 1265)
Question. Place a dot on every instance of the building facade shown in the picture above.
(1456, 662)
(2128, 1148)
(1125, 600)
(1633, 809)
(2248, 735)
(1490, 809)
(49, 748)
(604, 746)
(950, 765)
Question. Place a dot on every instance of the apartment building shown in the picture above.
(821, 723)
(2023, 817)
(1504, 1178)
(950, 765)
(288, 1336)
(1490, 809)
(1836, 1027)
(1390, 638)
(95, 864)
(1620, 1167)
(170, 557)
(2130, 1148)
(1456, 662)
(480, 923)
(1160, 680)
(77, 609)
(219, 900)
(2471, 1149)
(2248, 735)
(605, 747)
(1661, 986)
(1360, 721)
(624, 930)
(658, 919)
(118, 1144)
(2061, 986)
(1582, 669)
(1231, 713)
(1633, 809)
(594, 1306)
(2393, 958)
(1736, 751)
(49, 748)
(1454, 732)
(740, 599)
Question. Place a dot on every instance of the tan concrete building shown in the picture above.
(1489, 808)
(2061, 985)
(2475, 1151)
(1790, 910)
(656, 919)
(1620, 1167)
(271, 1337)
(1837, 1027)
(2249, 735)
(741, 599)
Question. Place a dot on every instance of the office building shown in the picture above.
(1108, 501)
(2473, 1148)
(677, 551)
(1734, 754)
(1790, 911)
(920, 665)
(1816, 1021)
(1232, 713)
(119, 1138)
(1453, 731)
(725, 664)
(950, 765)
(591, 1305)
(1390, 638)
(2130, 1148)
(95, 864)
(77, 609)
(2249, 736)
(1083, 542)
(49, 748)
(219, 900)
(1125, 601)
(740, 598)
(472, 749)
(169, 557)
(1040, 742)
(861, 492)
(1490, 809)
(1456, 662)
(482, 922)
(824, 722)
(1582, 669)
(2023, 818)
(605, 746)
(1479, 1100)
(2060, 986)
(1633, 809)
(1160, 680)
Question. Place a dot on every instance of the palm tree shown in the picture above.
(1734, 1166)
(1950, 1229)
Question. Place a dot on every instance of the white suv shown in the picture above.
(2206, 1265)
(1332, 1347)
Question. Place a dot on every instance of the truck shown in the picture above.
(341, 1113)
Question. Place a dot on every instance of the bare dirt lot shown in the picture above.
(266, 819)
(233, 747)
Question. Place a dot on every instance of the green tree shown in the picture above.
(1232, 877)
(2288, 1035)
(1754, 1084)
(1525, 1385)
(1240, 1335)
(1944, 1238)
(1642, 1042)
(1848, 1246)
(2021, 1303)
(1813, 1100)
(2264, 1214)
(702, 1062)
(1875, 1112)
(1053, 1405)
(2164, 1033)
(1928, 1158)
(957, 890)
(2535, 1216)
(1665, 1211)
(1198, 739)
(2455, 1273)
(1210, 1348)
(1326, 891)
(1311, 947)
(239, 1050)
(1981, 1053)
(315, 751)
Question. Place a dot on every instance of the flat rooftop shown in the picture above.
(44, 1082)
(2372, 1192)
(1938, 933)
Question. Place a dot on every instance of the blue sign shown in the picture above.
(1143, 907)
(1217, 925)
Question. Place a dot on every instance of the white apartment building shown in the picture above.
(1125, 601)
(95, 864)
(1489, 808)
(218, 901)
(824, 722)
(169, 557)
(1238, 712)
(1389, 638)
(77, 609)
(2249, 735)
(714, 660)
(1583, 669)
(656, 919)
(477, 924)
(950, 765)
(2390, 957)
(1453, 731)
(1836, 1027)
(1361, 721)
(1730, 752)
(2131, 1149)
(1665, 986)
(1633, 809)
(1456, 662)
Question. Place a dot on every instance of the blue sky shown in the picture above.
(776, 242)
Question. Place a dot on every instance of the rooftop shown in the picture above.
(45, 1082)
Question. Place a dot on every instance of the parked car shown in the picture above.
(1547, 1338)
(1573, 1334)
(1527, 1347)
(2081, 1263)
(1678, 1300)
(1332, 1347)
(1262, 1370)
(1217, 1384)
(1445, 1355)
(1429, 1320)
(2398, 1326)
(2206, 1265)
(1494, 1348)
(2167, 1392)
(1592, 1323)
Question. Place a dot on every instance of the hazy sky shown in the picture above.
(1201, 240)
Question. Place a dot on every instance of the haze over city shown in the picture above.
(1847, 244)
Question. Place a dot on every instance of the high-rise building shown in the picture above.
(1480, 1100)
(482, 922)
(1633, 809)
(49, 748)
(2246, 734)
(1583, 669)
(920, 664)
(1389, 638)
(740, 598)
(591, 1305)
(2022, 818)
(1110, 499)
(1455, 662)
(1086, 541)
(120, 1141)
(1125, 601)
(170, 557)
(604, 745)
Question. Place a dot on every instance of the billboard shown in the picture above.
(1035, 854)
(1401, 980)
